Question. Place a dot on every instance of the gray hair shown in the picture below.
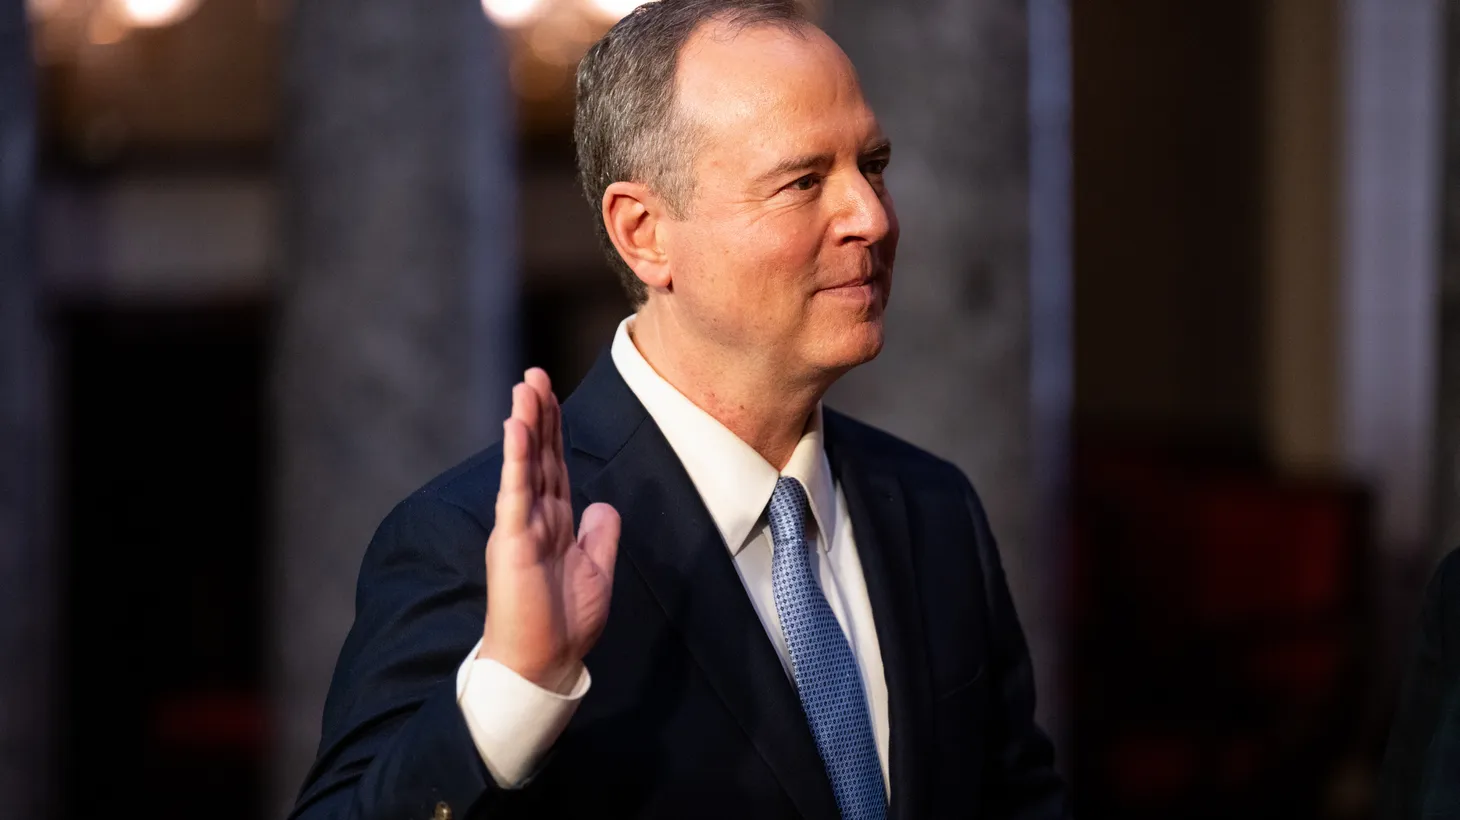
(625, 126)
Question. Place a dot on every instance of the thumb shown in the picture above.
(598, 536)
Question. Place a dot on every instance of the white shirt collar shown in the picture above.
(731, 477)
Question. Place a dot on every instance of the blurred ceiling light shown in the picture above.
(615, 9)
(155, 13)
(511, 13)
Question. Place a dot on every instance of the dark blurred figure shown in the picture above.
(1421, 775)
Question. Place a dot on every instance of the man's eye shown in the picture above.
(805, 183)
(874, 167)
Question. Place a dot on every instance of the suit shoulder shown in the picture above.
(470, 485)
(444, 522)
(889, 451)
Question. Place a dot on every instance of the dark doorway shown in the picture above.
(162, 428)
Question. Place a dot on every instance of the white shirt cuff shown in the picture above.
(513, 721)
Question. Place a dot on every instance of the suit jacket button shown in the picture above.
(443, 812)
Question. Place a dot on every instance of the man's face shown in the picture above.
(785, 252)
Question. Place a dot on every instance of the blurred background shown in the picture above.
(1179, 286)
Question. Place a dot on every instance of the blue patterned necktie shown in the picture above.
(823, 664)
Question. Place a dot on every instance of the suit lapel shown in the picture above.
(879, 521)
(671, 541)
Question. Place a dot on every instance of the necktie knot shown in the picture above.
(788, 514)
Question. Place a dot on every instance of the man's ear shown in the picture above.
(632, 215)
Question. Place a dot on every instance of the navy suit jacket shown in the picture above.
(690, 713)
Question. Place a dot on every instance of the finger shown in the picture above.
(555, 438)
(549, 434)
(552, 436)
(538, 379)
(598, 534)
(528, 410)
(551, 410)
(552, 432)
(514, 496)
(525, 405)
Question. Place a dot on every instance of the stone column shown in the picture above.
(1446, 509)
(1446, 513)
(975, 98)
(396, 335)
(1393, 349)
(26, 568)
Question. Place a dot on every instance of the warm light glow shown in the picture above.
(615, 9)
(511, 13)
(153, 13)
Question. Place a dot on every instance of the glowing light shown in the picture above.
(615, 9)
(511, 13)
(155, 13)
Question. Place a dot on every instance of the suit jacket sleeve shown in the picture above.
(394, 742)
(1020, 782)
(1428, 682)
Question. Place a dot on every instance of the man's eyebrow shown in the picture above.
(805, 162)
(878, 148)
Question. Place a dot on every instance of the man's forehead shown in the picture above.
(729, 72)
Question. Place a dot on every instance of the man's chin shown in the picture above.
(856, 345)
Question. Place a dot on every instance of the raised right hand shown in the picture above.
(547, 590)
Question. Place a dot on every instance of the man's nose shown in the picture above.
(863, 216)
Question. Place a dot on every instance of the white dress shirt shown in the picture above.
(514, 722)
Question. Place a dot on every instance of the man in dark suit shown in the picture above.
(804, 617)
(1421, 774)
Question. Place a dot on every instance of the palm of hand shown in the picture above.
(548, 590)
